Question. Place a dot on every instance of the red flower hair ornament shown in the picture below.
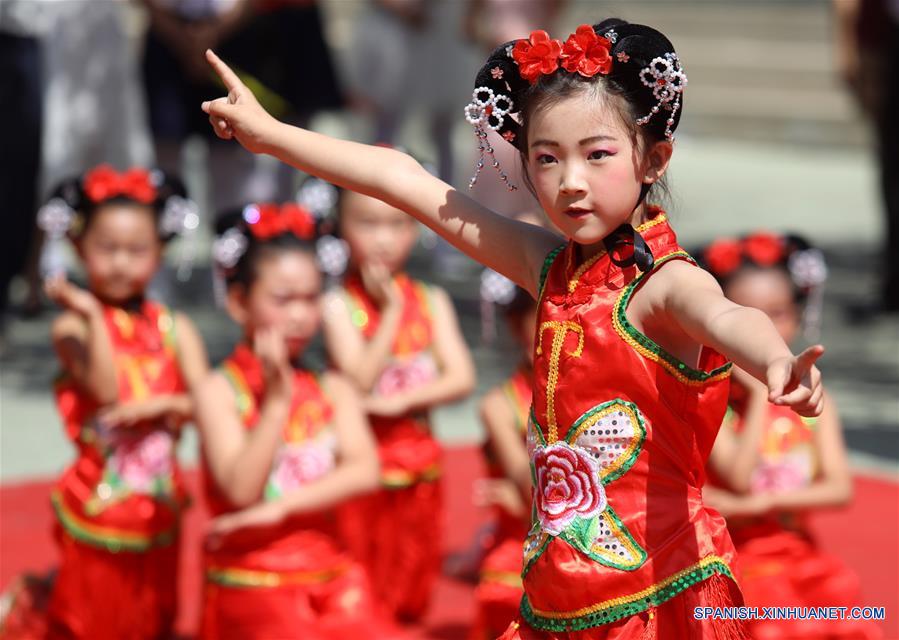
(587, 53)
(104, 183)
(269, 220)
(724, 256)
(536, 56)
(763, 248)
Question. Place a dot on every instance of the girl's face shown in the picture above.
(284, 296)
(771, 291)
(120, 250)
(586, 168)
(376, 232)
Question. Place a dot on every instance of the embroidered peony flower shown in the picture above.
(104, 183)
(140, 462)
(765, 249)
(723, 256)
(567, 486)
(587, 53)
(536, 56)
(404, 376)
(299, 464)
(790, 473)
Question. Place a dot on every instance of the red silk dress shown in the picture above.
(118, 507)
(499, 589)
(780, 563)
(622, 545)
(290, 580)
(396, 532)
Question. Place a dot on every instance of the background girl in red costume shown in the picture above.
(770, 468)
(504, 414)
(398, 339)
(282, 446)
(128, 364)
(630, 367)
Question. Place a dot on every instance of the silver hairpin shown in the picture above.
(665, 76)
(179, 216)
(488, 110)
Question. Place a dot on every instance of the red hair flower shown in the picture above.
(587, 53)
(104, 182)
(723, 256)
(268, 221)
(539, 55)
(763, 248)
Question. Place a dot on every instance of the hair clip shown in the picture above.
(665, 76)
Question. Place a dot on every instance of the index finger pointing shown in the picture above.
(808, 357)
(224, 71)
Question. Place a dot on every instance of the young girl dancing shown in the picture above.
(632, 341)
(128, 364)
(398, 339)
(770, 468)
(282, 446)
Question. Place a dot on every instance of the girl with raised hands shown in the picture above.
(283, 446)
(633, 341)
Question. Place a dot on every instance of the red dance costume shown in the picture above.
(118, 507)
(499, 589)
(779, 561)
(622, 545)
(396, 532)
(289, 580)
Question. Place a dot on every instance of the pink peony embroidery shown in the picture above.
(407, 375)
(141, 461)
(297, 465)
(567, 486)
(789, 473)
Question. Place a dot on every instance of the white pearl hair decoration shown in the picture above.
(56, 218)
(228, 248)
(179, 216)
(318, 196)
(496, 288)
(332, 255)
(808, 268)
(665, 76)
(487, 110)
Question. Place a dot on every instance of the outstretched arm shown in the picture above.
(747, 336)
(513, 248)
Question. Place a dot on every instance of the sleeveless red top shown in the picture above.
(300, 550)
(620, 431)
(125, 491)
(407, 450)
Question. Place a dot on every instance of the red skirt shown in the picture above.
(499, 591)
(397, 534)
(100, 595)
(785, 569)
(334, 609)
(671, 620)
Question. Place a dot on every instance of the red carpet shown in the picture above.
(865, 535)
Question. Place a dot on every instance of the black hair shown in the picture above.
(71, 193)
(744, 261)
(634, 47)
(256, 250)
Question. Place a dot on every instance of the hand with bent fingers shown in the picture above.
(796, 382)
(238, 115)
(71, 296)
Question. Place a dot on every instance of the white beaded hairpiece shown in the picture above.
(496, 289)
(488, 110)
(318, 196)
(809, 272)
(665, 76)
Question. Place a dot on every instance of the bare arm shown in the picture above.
(356, 471)
(82, 341)
(833, 485)
(359, 359)
(747, 336)
(505, 437)
(241, 460)
(388, 175)
(457, 376)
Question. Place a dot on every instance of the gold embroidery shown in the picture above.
(560, 331)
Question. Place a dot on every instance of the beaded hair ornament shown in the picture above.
(803, 263)
(64, 214)
(639, 58)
